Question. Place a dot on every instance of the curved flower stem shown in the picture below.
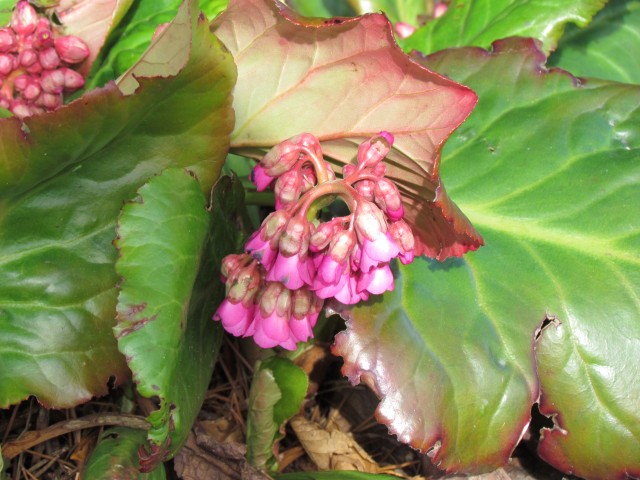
(318, 165)
(331, 189)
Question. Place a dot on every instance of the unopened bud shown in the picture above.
(43, 37)
(322, 236)
(295, 237)
(403, 236)
(301, 303)
(6, 63)
(49, 58)
(71, 49)
(286, 154)
(404, 30)
(288, 188)
(28, 57)
(348, 169)
(388, 198)
(273, 225)
(20, 109)
(35, 68)
(371, 152)
(21, 81)
(231, 264)
(72, 79)
(32, 90)
(439, 10)
(245, 285)
(365, 189)
(342, 245)
(369, 221)
(269, 297)
(8, 41)
(52, 81)
(50, 100)
(24, 18)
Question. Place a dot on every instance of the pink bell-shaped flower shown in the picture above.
(376, 281)
(235, 317)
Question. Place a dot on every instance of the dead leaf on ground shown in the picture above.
(332, 449)
(205, 457)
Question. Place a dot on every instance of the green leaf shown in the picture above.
(65, 176)
(603, 49)
(481, 22)
(332, 475)
(160, 241)
(548, 171)
(407, 11)
(322, 8)
(132, 38)
(116, 456)
(344, 82)
(277, 392)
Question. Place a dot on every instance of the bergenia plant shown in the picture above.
(211, 212)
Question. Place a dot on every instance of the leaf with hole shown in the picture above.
(547, 169)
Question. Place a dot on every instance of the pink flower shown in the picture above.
(294, 272)
(260, 178)
(235, 317)
(381, 250)
(71, 49)
(261, 250)
(270, 325)
(376, 281)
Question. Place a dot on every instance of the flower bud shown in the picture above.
(231, 264)
(20, 109)
(342, 245)
(24, 18)
(322, 236)
(71, 49)
(43, 37)
(288, 188)
(295, 237)
(28, 57)
(246, 284)
(348, 169)
(50, 100)
(48, 58)
(388, 198)
(260, 178)
(21, 81)
(6, 63)
(8, 41)
(270, 298)
(273, 225)
(72, 79)
(404, 30)
(285, 155)
(375, 149)
(369, 221)
(52, 81)
(403, 236)
(32, 90)
(365, 189)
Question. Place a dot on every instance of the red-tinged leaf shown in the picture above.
(92, 21)
(345, 80)
(547, 166)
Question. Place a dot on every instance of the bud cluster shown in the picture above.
(35, 63)
(294, 262)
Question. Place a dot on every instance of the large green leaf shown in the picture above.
(277, 392)
(116, 457)
(161, 236)
(549, 172)
(609, 47)
(408, 11)
(131, 39)
(65, 176)
(344, 81)
(481, 22)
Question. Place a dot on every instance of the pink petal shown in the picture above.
(235, 317)
(261, 250)
(377, 281)
(260, 178)
(291, 271)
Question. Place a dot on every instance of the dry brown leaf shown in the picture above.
(332, 449)
(204, 457)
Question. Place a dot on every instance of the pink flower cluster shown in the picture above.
(34, 63)
(296, 261)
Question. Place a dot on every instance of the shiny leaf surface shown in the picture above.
(548, 172)
(481, 22)
(604, 48)
(65, 176)
(344, 81)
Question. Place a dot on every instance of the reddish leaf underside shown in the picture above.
(344, 80)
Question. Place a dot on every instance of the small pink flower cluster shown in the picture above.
(34, 63)
(294, 262)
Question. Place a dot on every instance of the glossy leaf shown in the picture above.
(548, 171)
(481, 22)
(116, 457)
(407, 11)
(65, 176)
(160, 243)
(277, 392)
(322, 8)
(344, 81)
(127, 43)
(604, 48)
